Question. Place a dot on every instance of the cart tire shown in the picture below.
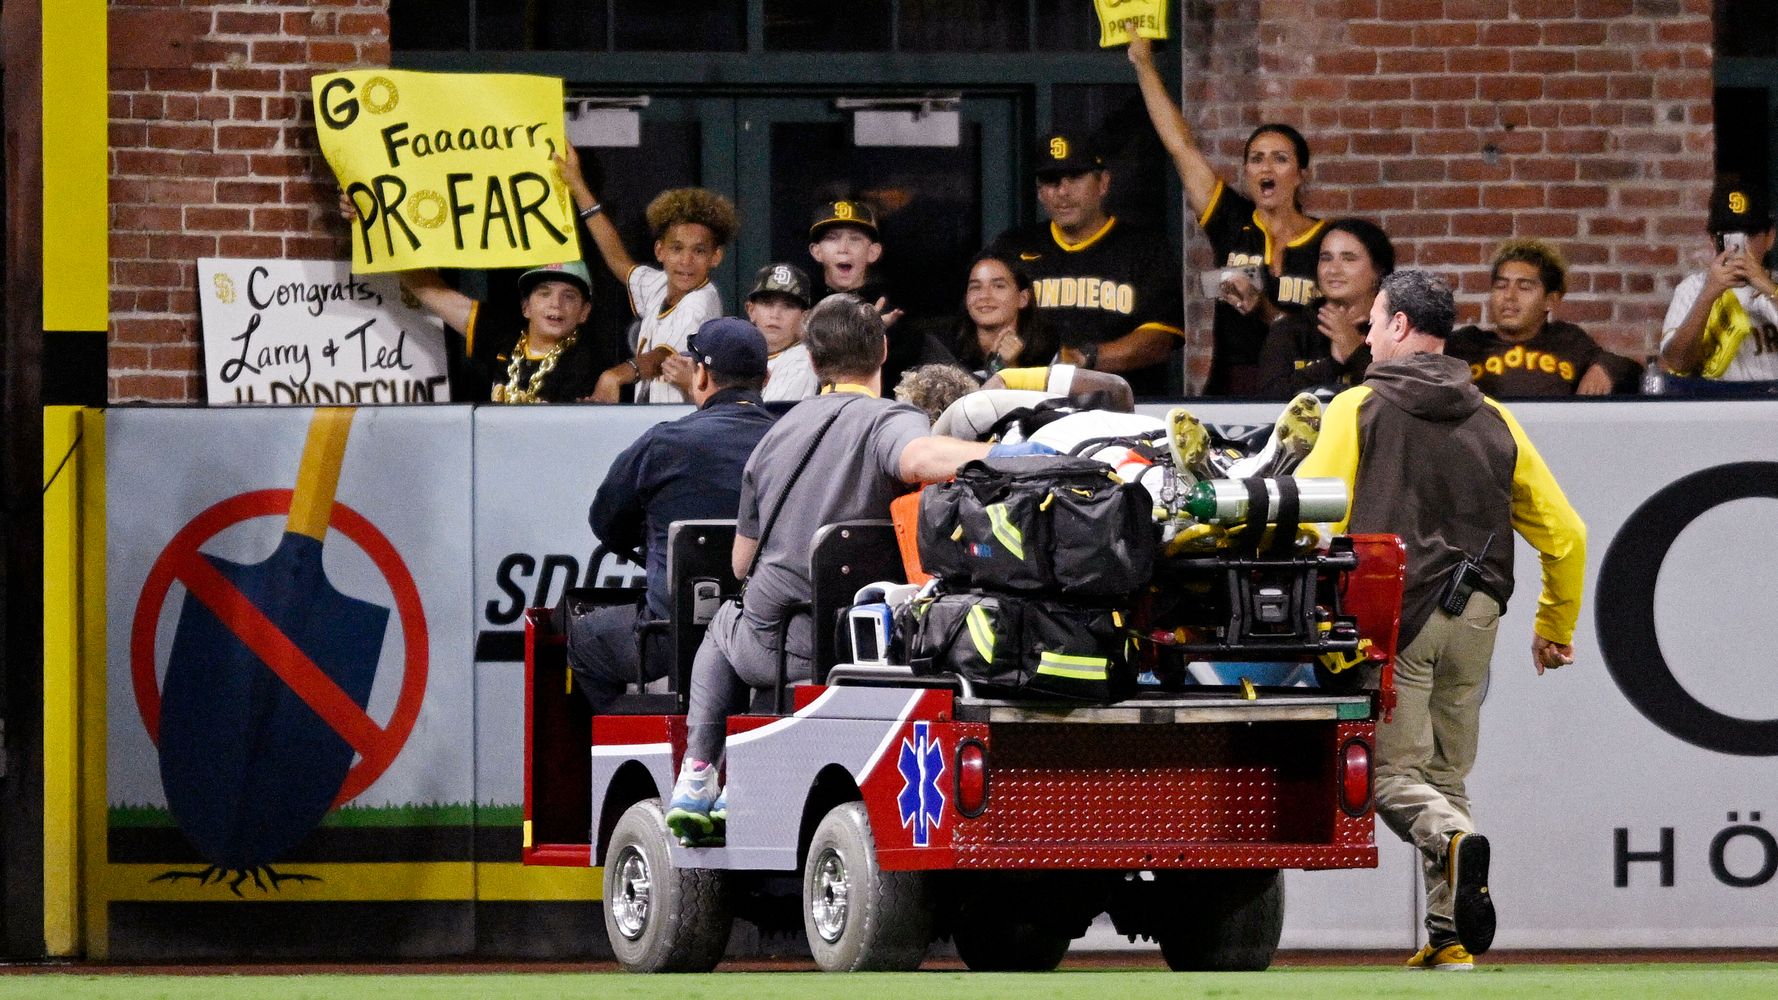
(1224, 921)
(1010, 946)
(858, 917)
(661, 918)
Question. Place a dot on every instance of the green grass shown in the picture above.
(136, 817)
(1582, 982)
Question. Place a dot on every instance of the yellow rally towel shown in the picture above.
(1724, 330)
(1150, 17)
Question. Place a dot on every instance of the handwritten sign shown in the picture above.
(448, 169)
(1150, 17)
(310, 333)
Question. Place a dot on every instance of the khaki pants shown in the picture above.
(1428, 747)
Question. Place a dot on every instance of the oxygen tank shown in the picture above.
(1225, 501)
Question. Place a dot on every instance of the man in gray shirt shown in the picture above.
(862, 452)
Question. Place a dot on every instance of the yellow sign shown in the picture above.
(448, 169)
(1150, 17)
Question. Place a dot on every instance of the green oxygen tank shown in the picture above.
(1225, 501)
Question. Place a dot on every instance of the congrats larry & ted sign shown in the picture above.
(311, 333)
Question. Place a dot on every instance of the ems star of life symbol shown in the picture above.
(921, 801)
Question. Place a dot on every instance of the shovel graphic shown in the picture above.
(269, 666)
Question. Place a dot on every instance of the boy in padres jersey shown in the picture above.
(1111, 290)
(691, 226)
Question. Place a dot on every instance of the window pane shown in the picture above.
(549, 25)
(826, 26)
(680, 25)
(421, 25)
(928, 203)
(1743, 152)
(1746, 28)
(1112, 117)
(946, 26)
(1067, 26)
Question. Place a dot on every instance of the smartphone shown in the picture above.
(1732, 241)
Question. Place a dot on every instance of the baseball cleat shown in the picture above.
(1472, 906)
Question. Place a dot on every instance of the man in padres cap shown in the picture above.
(777, 305)
(1109, 288)
(685, 469)
(1722, 322)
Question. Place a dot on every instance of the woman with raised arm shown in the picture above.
(1265, 227)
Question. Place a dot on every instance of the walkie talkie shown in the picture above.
(1462, 581)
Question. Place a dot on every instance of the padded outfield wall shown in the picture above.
(1632, 797)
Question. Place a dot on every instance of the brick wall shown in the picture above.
(1458, 123)
(213, 154)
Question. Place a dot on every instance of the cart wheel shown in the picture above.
(1223, 921)
(858, 917)
(1009, 945)
(661, 918)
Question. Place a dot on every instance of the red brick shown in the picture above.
(1408, 11)
(232, 80)
(1547, 224)
(1442, 88)
(144, 273)
(1538, 168)
(1513, 196)
(246, 137)
(149, 331)
(1382, 197)
(1578, 140)
(1447, 196)
(278, 220)
(1419, 224)
(1406, 61)
(234, 22)
(1445, 34)
(181, 247)
(333, 53)
(1696, 30)
(1478, 60)
(212, 50)
(1543, 61)
(248, 192)
(241, 245)
(1492, 225)
(273, 53)
(1436, 143)
(1513, 88)
(1510, 34)
(1576, 33)
(316, 248)
(193, 80)
(146, 218)
(1608, 225)
(216, 219)
(1447, 252)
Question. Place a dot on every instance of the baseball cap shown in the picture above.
(1739, 208)
(729, 345)
(782, 279)
(1061, 153)
(844, 212)
(573, 272)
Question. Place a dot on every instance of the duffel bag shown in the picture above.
(1042, 523)
(1020, 646)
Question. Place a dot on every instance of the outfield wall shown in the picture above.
(452, 519)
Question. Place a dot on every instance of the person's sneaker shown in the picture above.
(1188, 442)
(719, 811)
(1446, 958)
(1296, 432)
(1472, 907)
(694, 794)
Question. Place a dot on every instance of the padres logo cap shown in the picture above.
(1062, 153)
(1739, 208)
(845, 212)
(573, 272)
(782, 279)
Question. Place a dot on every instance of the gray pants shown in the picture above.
(736, 656)
(603, 653)
(1426, 750)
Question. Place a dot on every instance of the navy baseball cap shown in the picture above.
(1739, 208)
(729, 345)
(1060, 154)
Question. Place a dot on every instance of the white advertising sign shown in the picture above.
(311, 333)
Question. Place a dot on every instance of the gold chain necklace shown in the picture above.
(515, 392)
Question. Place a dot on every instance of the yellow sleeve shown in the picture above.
(1210, 205)
(475, 312)
(1336, 448)
(1033, 379)
(1543, 516)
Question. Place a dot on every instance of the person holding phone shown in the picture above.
(1722, 322)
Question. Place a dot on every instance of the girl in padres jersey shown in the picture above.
(1267, 226)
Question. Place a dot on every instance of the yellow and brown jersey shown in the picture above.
(1239, 237)
(1118, 280)
(1428, 458)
